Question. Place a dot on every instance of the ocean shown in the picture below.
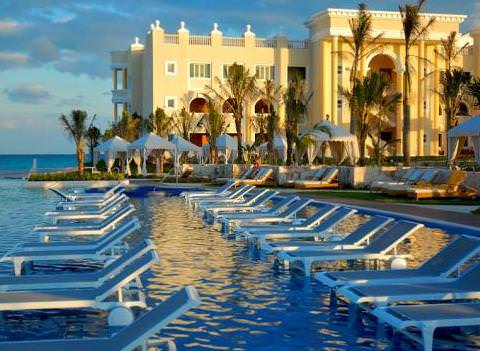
(12, 166)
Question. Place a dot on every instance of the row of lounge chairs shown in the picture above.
(417, 183)
(441, 289)
(92, 226)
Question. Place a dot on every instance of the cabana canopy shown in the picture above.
(144, 146)
(113, 148)
(342, 144)
(456, 137)
(279, 146)
(182, 145)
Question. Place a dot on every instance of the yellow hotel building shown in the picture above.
(171, 70)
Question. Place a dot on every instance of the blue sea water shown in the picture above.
(13, 164)
(246, 303)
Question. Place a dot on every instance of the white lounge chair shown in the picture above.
(81, 280)
(354, 240)
(244, 230)
(231, 220)
(254, 203)
(437, 269)
(237, 196)
(100, 249)
(97, 213)
(73, 229)
(85, 194)
(86, 204)
(125, 286)
(132, 337)
(223, 190)
(467, 286)
(377, 250)
(427, 318)
(287, 215)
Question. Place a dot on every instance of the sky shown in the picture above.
(54, 54)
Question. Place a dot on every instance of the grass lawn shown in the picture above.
(378, 197)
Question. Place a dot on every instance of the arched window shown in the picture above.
(262, 107)
(198, 105)
(228, 106)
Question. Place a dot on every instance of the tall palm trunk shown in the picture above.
(406, 118)
(290, 150)
(80, 159)
(238, 127)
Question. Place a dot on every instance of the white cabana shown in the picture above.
(227, 146)
(112, 149)
(147, 145)
(458, 135)
(279, 147)
(342, 144)
(182, 145)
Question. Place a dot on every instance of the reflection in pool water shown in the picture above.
(247, 305)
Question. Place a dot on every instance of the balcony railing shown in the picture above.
(233, 41)
(121, 96)
(266, 43)
(171, 39)
(467, 51)
(200, 40)
(298, 44)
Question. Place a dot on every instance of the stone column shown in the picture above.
(115, 79)
(399, 113)
(436, 102)
(334, 117)
(326, 78)
(281, 70)
(420, 98)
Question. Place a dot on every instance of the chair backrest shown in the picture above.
(126, 258)
(263, 174)
(470, 279)
(427, 176)
(387, 240)
(295, 207)
(265, 196)
(240, 191)
(150, 323)
(415, 175)
(319, 215)
(319, 173)
(441, 177)
(366, 230)
(254, 199)
(336, 217)
(330, 174)
(246, 173)
(447, 260)
(405, 174)
(117, 216)
(125, 229)
(280, 205)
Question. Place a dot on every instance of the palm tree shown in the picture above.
(271, 95)
(93, 137)
(75, 127)
(474, 90)
(214, 123)
(413, 30)
(449, 51)
(455, 85)
(367, 96)
(185, 123)
(296, 107)
(362, 44)
(128, 127)
(161, 124)
(237, 89)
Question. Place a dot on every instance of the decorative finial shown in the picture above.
(248, 30)
(152, 26)
(137, 40)
(157, 23)
(182, 27)
(215, 29)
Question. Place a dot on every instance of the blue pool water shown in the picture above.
(246, 304)
(13, 164)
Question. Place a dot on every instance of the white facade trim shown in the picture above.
(174, 73)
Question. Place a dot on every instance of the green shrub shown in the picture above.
(74, 176)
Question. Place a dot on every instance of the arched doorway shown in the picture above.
(384, 64)
(198, 105)
(261, 107)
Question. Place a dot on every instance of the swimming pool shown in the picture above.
(247, 305)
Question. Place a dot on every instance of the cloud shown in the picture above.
(7, 123)
(28, 93)
(9, 27)
(12, 59)
(74, 102)
(43, 50)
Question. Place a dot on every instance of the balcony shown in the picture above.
(120, 96)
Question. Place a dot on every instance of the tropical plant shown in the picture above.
(271, 95)
(386, 106)
(93, 137)
(297, 101)
(455, 85)
(449, 52)
(236, 90)
(413, 30)
(127, 127)
(185, 123)
(474, 90)
(367, 96)
(160, 124)
(361, 44)
(214, 123)
(75, 126)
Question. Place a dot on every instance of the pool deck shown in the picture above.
(425, 211)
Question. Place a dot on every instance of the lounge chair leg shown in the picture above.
(381, 332)
(333, 297)
(18, 266)
(427, 334)
(307, 268)
(354, 315)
